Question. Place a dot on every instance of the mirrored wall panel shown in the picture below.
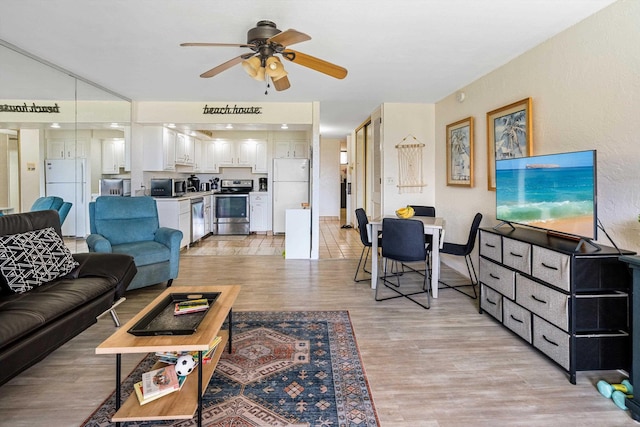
(60, 135)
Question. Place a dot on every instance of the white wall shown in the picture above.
(31, 181)
(400, 121)
(586, 94)
(330, 177)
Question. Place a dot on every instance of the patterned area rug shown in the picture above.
(287, 369)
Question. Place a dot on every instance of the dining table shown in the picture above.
(432, 225)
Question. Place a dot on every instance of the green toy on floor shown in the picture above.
(617, 392)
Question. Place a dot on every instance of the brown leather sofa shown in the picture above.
(36, 322)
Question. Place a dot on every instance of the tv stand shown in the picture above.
(504, 223)
(571, 306)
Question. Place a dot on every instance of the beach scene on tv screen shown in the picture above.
(554, 192)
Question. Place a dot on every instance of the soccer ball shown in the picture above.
(185, 365)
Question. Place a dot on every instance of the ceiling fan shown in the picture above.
(266, 41)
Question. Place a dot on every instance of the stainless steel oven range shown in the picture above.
(231, 207)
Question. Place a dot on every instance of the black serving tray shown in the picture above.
(161, 320)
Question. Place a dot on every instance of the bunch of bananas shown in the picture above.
(406, 212)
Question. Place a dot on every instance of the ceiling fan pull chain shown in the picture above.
(266, 92)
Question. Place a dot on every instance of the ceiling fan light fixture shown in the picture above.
(260, 74)
(274, 68)
(251, 66)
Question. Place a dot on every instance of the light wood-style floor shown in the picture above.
(447, 366)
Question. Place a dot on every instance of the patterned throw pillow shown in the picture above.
(28, 260)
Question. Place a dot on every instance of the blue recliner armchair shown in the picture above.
(53, 203)
(129, 225)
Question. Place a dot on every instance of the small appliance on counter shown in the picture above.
(168, 187)
(193, 183)
(262, 184)
(115, 187)
(215, 183)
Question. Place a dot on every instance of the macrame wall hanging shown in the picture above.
(410, 165)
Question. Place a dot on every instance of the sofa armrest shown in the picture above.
(97, 243)
(118, 268)
(170, 237)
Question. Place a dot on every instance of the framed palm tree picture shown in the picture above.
(508, 135)
(460, 153)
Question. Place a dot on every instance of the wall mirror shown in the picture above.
(57, 133)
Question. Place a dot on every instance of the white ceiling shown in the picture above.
(394, 50)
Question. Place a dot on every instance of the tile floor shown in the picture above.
(335, 242)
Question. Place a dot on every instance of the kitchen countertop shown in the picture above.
(197, 194)
(185, 197)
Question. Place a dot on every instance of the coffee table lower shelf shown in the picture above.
(179, 405)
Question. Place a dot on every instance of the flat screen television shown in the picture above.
(555, 192)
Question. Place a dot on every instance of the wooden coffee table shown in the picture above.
(183, 403)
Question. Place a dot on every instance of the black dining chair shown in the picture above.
(403, 241)
(420, 210)
(363, 221)
(464, 250)
(423, 210)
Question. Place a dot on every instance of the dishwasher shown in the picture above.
(197, 219)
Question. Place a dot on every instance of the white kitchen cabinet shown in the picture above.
(295, 149)
(184, 221)
(185, 151)
(259, 212)
(245, 152)
(159, 149)
(198, 155)
(66, 149)
(176, 214)
(112, 155)
(236, 153)
(209, 157)
(207, 215)
(225, 152)
(261, 161)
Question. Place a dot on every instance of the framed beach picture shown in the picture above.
(460, 153)
(508, 135)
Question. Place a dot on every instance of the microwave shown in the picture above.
(168, 187)
(115, 187)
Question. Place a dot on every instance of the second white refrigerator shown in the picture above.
(67, 178)
(290, 188)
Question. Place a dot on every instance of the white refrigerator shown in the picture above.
(67, 178)
(290, 188)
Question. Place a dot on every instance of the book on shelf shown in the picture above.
(172, 356)
(160, 381)
(139, 389)
(191, 306)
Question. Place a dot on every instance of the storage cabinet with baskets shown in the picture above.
(572, 305)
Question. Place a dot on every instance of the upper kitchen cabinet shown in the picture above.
(113, 155)
(245, 153)
(293, 148)
(262, 157)
(209, 161)
(159, 148)
(198, 163)
(185, 150)
(66, 148)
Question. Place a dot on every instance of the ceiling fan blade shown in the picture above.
(282, 83)
(314, 63)
(218, 44)
(222, 67)
(289, 37)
